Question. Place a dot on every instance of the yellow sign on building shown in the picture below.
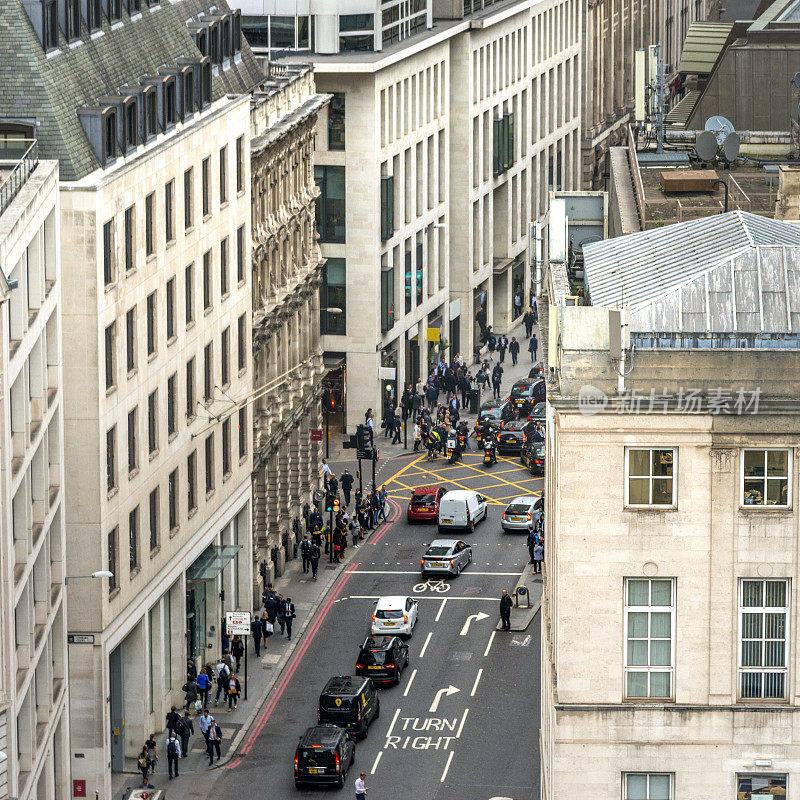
(433, 334)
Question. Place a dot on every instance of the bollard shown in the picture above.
(522, 594)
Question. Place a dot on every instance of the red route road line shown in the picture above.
(389, 522)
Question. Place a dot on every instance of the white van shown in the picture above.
(461, 509)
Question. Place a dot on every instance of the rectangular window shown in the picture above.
(189, 293)
(240, 164)
(206, 188)
(173, 500)
(109, 273)
(130, 340)
(760, 787)
(154, 509)
(208, 372)
(188, 210)
(336, 121)
(387, 298)
(241, 354)
(191, 478)
(240, 254)
(149, 224)
(111, 355)
(223, 268)
(649, 637)
(225, 357)
(647, 786)
(130, 244)
(209, 444)
(408, 296)
(190, 396)
(223, 175)
(765, 477)
(333, 297)
(172, 405)
(387, 206)
(226, 446)
(111, 458)
(112, 560)
(169, 211)
(152, 422)
(650, 477)
(242, 432)
(763, 623)
(207, 280)
(151, 324)
(133, 538)
(330, 208)
(133, 445)
(170, 309)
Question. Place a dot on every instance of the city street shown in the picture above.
(463, 723)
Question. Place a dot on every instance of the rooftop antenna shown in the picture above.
(650, 91)
(658, 89)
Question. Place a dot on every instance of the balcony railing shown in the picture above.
(18, 159)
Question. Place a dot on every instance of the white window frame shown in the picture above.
(670, 775)
(674, 503)
(763, 506)
(763, 670)
(648, 609)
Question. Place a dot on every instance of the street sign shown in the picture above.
(80, 638)
(433, 334)
(316, 434)
(387, 373)
(237, 622)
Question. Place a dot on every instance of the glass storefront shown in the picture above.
(518, 288)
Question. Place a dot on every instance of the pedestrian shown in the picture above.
(257, 632)
(534, 310)
(513, 348)
(533, 347)
(327, 473)
(222, 680)
(152, 752)
(527, 321)
(388, 421)
(280, 613)
(144, 766)
(237, 650)
(205, 723)
(538, 557)
(172, 717)
(313, 557)
(173, 754)
(290, 615)
(491, 342)
(531, 543)
(189, 690)
(271, 607)
(417, 435)
(203, 685)
(505, 610)
(191, 670)
(406, 400)
(497, 378)
(382, 497)
(375, 506)
(398, 426)
(315, 520)
(234, 690)
(355, 531)
(347, 485)
(361, 788)
(502, 346)
(267, 627)
(187, 730)
(305, 546)
(337, 545)
(213, 741)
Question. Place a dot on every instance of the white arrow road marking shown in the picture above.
(477, 617)
(446, 692)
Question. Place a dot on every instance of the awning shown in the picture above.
(703, 45)
(212, 561)
(501, 265)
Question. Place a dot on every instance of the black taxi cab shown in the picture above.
(324, 755)
(382, 658)
(351, 702)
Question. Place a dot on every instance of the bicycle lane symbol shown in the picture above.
(437, 586)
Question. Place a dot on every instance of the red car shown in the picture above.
(424, 504)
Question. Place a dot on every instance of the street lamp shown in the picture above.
(101, 573)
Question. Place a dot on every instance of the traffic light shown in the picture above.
(335, 505)
(328, 503)
(363, 441)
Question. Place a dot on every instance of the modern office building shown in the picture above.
(141, 104)
(34, 723)
(669, 614)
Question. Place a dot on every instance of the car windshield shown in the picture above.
(521, 391)
(490, 413)
(437, 551)
(329, 703)
(423, 499)
(314, 755)
(538, 451)
(388, 613)
(517, 508)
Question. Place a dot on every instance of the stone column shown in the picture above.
(295, 468)
(304, 456)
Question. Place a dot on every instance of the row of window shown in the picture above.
(661, 786)
(650, 623)
(764, 477)
(136, 526)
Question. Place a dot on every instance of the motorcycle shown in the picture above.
(489, 453)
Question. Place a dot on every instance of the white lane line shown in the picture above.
(475, 685)
(447, 766)
(420, 597)
(410, 681)
(425, 646)
(488, 646)
(416, 572)
(375, 763)
(463, 720)
(441, 608)
(394, 719)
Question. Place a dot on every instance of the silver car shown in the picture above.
(520, 515)
(445, 557)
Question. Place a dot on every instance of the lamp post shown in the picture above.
(101, 573)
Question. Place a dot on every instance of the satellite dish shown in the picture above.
(705, 145)
(730, 147)
(796, 80)
(720, 127)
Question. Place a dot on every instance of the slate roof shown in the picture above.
(50, 90)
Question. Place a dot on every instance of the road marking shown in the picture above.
(394, 719)
(425, 646)
(421, 597)
(446, 766)
(475, 685)
(375, 763)
(416, 572)
(463, 720)
(491, 639)
(442, 692)
(520, 642)
(441, 608)
(477, 617)
(410, 681)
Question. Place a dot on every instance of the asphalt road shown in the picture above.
(480, 740)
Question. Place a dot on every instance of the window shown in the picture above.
(191, 478)
(151, 324)
(133, 537)
(207, 280)
(336, 122)
(330, 209)
(170, 309)
(154, 519)
(110, 136)
(356, 22)
(241, 355)
(242, 432)
(333, 295)
(649, 627)
(650, 477)
(240, 164)
(206, 187)
(114, 10)
(223, 268)
(133, 446)
(752, 787)
(763, 657)
(765, 477)
(387, 207)
(223, 175)
(151, 114)
(94, 17)
(188, 92)
(112, 560)
(240, 254)
(169, 217)
(173, 500)
(172, 403)
(189, 293)
(130, 337)
(170, 103)
(226, 446)
(111, 458)
(149, 222)
(225, 356)
(108, 253)
(131, 127)
(130, 243)
(503, 144)
(387, 298)
(355, 44)
(152, 422)
(111, 355)
(73, 19)
(187, 199)
(190, 397)
(209, 445)
(208, 372)
(646, 786)
(50, 25)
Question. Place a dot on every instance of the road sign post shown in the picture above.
(238, 622)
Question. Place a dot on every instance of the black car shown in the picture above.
(526, 393)
(382, 658)
(511, 438)
(537, 370)
(324, 755)
(349, 702)
(496, 413)
(532, 456)
(539, 412)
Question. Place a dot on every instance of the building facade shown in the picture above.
(34, 722)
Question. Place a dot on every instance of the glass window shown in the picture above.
(303, 41)
(334, 296)
(281, 31)
(647, 786)
(387, 298)
(649, 654)
(356, 22)
(763, 618)
(765, 477)
(336, 122)
(756, 787)
(330, 210)
(360, 43)
(650, 479)
(408, 282)
(112, 560)
(387, 206)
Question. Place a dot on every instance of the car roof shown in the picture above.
(444, 543)
(326, 735)
(459, 494)
(344, 685)
(378, 642)
(516, 424)
(523, 500)
(392, 601)
(421, 489)
(491, 404)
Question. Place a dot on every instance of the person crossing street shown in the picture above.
(346, 481)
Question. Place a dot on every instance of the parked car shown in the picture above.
(445, 557)
(461, 508)
(395, 615)
(382, 659)
(424, 504)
